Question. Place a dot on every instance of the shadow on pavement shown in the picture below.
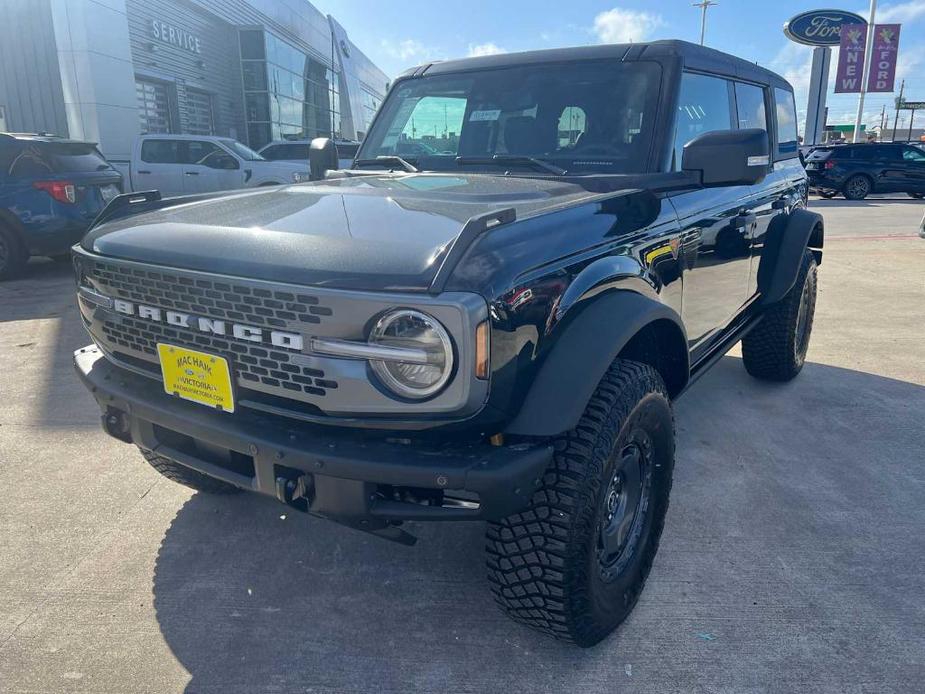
(248, 600)
(867, 202)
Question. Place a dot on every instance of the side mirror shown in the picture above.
(322, 157)
(728, 157)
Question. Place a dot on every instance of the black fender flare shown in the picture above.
(587, 344)
(787, 237)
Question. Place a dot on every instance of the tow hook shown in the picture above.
(295, 492)
(116, 424)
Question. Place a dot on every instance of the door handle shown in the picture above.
(779, 204)
(143, 172)
(190, 173)
(744, 219)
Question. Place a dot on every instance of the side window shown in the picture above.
(786, 114)
(572, 124)
(913, 154)
(750, 106)
(197, 151)
(295, 152)
(161, 152)
(30, 163)
(703, 106)
(272, 153)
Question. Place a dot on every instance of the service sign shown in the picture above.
(820, 27)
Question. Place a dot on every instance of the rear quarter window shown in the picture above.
(74, 158)
(786, 117)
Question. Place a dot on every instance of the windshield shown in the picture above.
(242, 151)
(587, 117)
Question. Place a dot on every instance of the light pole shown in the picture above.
(703, 5)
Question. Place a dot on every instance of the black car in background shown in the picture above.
(857, 170)
(51, 189)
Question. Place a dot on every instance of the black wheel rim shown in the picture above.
(803, 314)
(624, 504)
(857, 187)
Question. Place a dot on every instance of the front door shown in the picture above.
(717, 224)
(913, 169)
(209, 168)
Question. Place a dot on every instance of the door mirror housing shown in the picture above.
(728, 157)
(322, 157)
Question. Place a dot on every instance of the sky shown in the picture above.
(397, 34)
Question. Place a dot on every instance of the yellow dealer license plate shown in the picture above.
(197, 376)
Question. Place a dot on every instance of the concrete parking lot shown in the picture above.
(793, 558)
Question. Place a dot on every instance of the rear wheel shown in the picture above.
(574, 562)
(857, 187)
(13, 256)
(917, 196)
(776, 349)
(181, 474)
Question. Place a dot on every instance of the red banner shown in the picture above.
(851, 59)
(883, 58)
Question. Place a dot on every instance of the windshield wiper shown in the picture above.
(387, 160)
(513, 159)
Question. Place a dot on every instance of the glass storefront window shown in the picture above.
(153, 106)
(252, 45)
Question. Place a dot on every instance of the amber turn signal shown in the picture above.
(482, 350)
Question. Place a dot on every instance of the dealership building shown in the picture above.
(254, 70)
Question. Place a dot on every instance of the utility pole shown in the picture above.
(868, 54)
(703, 5)
(911, 121)
(882, 121)
(899, 102)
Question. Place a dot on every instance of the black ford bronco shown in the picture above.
(486, 318)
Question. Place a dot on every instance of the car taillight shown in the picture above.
(62, 191)
(830, 165)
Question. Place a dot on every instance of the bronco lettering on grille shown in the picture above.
(277, 338)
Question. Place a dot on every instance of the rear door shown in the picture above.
(716, 223)
(160, 166)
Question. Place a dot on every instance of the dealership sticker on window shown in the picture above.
(494, 114)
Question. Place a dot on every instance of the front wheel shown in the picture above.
(917, 196)
(828, 194)
(188, 477)
(574, 562)
(776, 349)
(13, 256)
(857, 187)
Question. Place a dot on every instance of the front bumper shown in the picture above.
(349, 477)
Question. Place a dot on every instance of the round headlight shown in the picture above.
(423, 358)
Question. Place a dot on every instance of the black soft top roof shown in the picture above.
(689, 55)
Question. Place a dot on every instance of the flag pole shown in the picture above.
(868, 54)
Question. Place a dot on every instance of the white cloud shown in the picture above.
(626, 26)
(408, 49)
(903, 12)
(485, 49)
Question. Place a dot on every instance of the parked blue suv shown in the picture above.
(50, 190)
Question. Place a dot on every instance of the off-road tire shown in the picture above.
(544, 563)
(775, 349)
(187, 476)
(857, 187)
(13, 256)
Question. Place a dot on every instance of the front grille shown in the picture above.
(256, 367)
(276, 371)
(208, 297)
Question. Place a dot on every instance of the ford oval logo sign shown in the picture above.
(820, 27)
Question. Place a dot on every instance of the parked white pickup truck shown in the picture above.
(188, 164)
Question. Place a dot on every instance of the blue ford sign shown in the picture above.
(820, 27)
